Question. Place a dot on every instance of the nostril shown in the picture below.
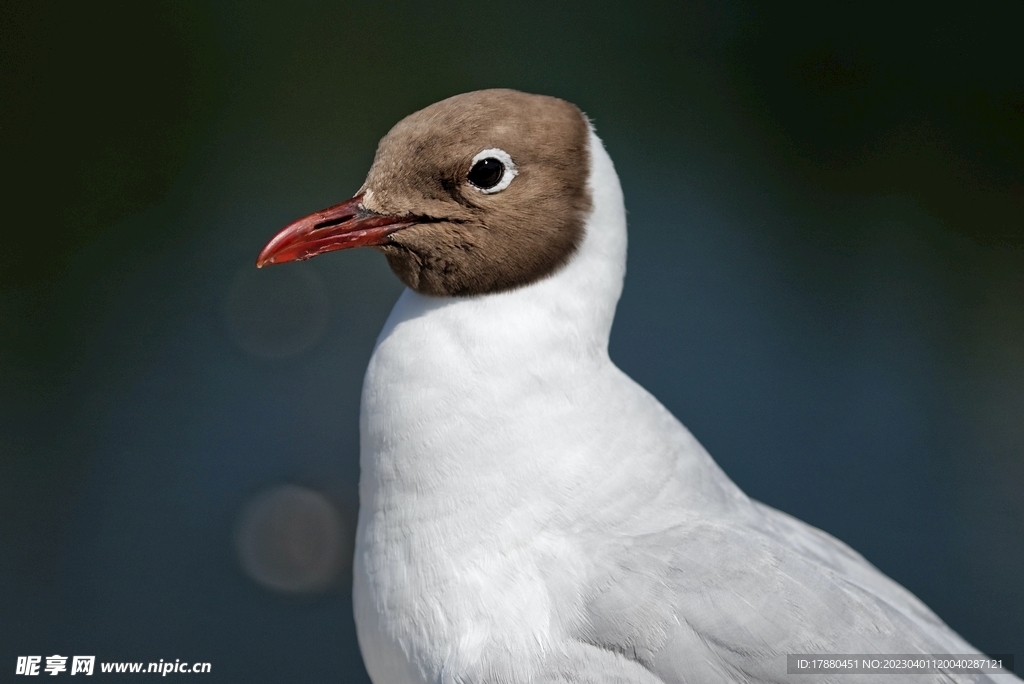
(334, 221)
(337, 219)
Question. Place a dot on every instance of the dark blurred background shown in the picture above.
(826, 284)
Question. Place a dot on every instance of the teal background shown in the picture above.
(826, 284)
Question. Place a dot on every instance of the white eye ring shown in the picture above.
(510, 168)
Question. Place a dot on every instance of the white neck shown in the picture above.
(456, 362)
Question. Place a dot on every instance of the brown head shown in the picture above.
(483, 192)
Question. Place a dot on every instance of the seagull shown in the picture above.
(529, 513)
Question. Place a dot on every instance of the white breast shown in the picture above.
(493, 428)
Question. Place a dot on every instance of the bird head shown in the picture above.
(479, 193)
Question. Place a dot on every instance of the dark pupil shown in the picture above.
(486, 173)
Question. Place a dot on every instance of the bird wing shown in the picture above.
(727, 600)
(581, 663)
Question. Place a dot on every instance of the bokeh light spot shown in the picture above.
(292, 539)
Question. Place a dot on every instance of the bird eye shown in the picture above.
(486, 173)
(492, 171)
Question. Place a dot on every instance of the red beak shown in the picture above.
(339, 227)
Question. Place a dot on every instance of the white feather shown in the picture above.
(529, 513)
